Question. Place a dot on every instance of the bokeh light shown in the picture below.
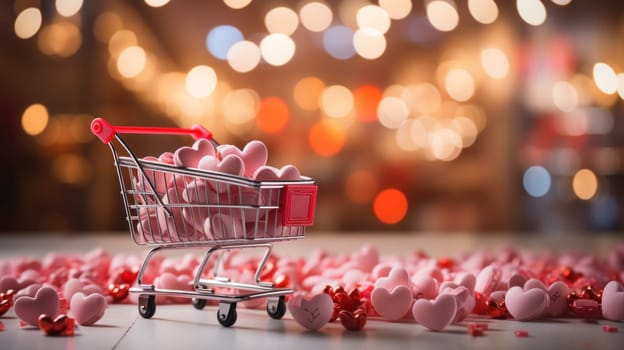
(392, 112)
(347, 11)
(281, 20)
(221, 38)
(445, 143)
(273, 115)
(326, 138)
(71, 169)
(156, 3)
(474, 113)
(68, 8)
(277, 49)
(366, 98)
(239, 109)
(244, 56)
(121, 40)
(605, 78)
(536, 181)
(585, 184)
(28, 23)
(131, 61)
(338, 42)
(361, 186)
(442, 14)
(483, 11)
(620, 89)
(390, 206)
(565, 96)
(396, 9)
(411, 135)
(336, 101)
(495, 63)
(561, 2)
(316, 16)
(107, 24)
(371, 16)
(423, 98)
(200, 81)
(532, 12)
(369, 43)
(467, 130)
(60, 38)
(459, 84)
(35, 119)
(237, 4)
(604, 211)
(307, 93)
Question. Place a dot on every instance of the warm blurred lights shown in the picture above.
(375, 17)
(620, 88)
(60, 38)
(445, 143)
(423, 98)
(71, 169)
(277, 49)
(240, 106)
(338, 42)
(565, 96)
(35, 119)
(390, 206)
(495, 63)
(561, 2)
(459, 84)
(131, 61)
(396, 9)
(68, 8)
(106, 24)
(361, 186)
(237, 4)
(244, 56)
(605, 78)
(221, 38)
(466, 129)
(474, 113)
(585, 184)
(326, 138)
(369, 43)
(28, 23)
(347, 11)
(366, 98)
(532, 12)
(120, 40)
(483, 11)
(536, 181)
(156, 3)
(411, 135)
(201, 81)
(392, 112)
(307, 93)
(442, 14)
(273, 115)
(281, 20)
(336, 101)
(316, 16)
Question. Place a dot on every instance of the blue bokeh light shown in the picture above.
(604, 212)
(536, 181)
(338, 42)
(221, 38)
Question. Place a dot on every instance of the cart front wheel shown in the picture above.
(198, 303)
(276, 308)
(226, 314)
(147, 305)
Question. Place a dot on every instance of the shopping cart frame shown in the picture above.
(204, 289)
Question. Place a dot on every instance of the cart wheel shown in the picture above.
(198, 303)
(226, 314)
(276, 308)
(147, 305)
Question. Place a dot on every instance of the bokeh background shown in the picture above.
(421, 115)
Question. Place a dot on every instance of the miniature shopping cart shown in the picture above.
(242, 213)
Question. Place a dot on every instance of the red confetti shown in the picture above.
(118, 292)
(609, 329)
(477, 329)
(521, 333)
(4, 306)
(1, 326)
(61, 325)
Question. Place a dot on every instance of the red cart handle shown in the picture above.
(105, 131)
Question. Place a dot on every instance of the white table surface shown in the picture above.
(183, 327)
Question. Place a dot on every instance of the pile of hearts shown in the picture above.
(352, 288)
(201, 208)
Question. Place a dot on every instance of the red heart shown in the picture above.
(118, 291)
(353, 321)
(128, 275)
(55, 326)
(8, 295)
(4, 306)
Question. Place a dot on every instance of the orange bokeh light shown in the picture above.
(360, 186)
(307, 93)
(326, 138)
(273, 115)
(367, 98)
(390, 206)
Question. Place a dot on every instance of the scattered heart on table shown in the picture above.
(87, 309)
(393, 305)
(613, 301)
(525, 305)
(45, 301)
(312, 313)
(435, 314)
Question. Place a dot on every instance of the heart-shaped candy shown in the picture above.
(189, 156)
(464, 300)
(558, 299)
(397, 277)
(222, 226)
(487, 280)
(516, 279)
(392, 305)
(254, 155)
(9, 282)
(269, 173)
(435, 314)
(312, 313)
(613, 301)
(4, 306)
(467, 280)
(424, 286)
(366, 258)
(526, 305)
(28, 309)
(172, 282)
(353, 320)
(230, 164)
(87, 309)
(54, 326)
(29, 291)
(532, 283)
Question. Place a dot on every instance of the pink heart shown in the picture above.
(436, 314)
(534, 283)
(516, 279)
(222, 226)
(613, 301)
(254, 155)
(87, 309)
(466, 279)
(157, 178)
(9, 282)
(167, 158)
(424, 286)
(487, 280)
(269, 173)
(366, 258)
(230, 164)
(170, 281)
(392, 305)
(175, 225)
(397, 277)
(465, 301)
(28, 309)
(29, 291)
(526, 305)
(558, 299)
(71, 287)
(312, 313)
(189, 156)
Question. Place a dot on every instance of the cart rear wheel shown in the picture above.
(147, 305)
(198, 303)
(226, 314)
(276, 308)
